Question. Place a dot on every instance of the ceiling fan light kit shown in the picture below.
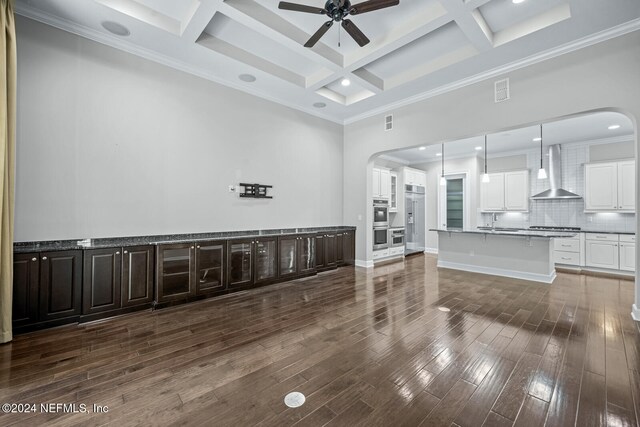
(338, 10)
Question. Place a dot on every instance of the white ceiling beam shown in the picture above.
(474, 30)
(204, 13)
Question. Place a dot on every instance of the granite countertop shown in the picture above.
(67, 245)
(586, 231)
(508, 232)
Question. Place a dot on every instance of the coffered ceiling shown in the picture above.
(418, 49)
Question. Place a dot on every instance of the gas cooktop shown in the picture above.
(553, 228)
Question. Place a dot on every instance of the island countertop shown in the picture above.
(508, 232)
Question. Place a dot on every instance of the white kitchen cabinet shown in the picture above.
(627, 256)
(415, 177)
(627, 186)
(381, 183)
(376, 182)
(610, 187)
(568, 251)
(393, 195)
(516, 191)
(602, 254)
(492, 193)
(505, 191)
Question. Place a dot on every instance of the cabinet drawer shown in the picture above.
(381, 254)
(566, 245)
(602, 237)
(569, 258)
(628, 238)
(398, 250)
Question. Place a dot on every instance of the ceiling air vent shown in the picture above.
(502, 90)
(388, 122)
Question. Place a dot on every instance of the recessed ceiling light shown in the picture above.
(247, 78)
(422, 148)
(614, 127)
(438, 154)
(319, 105)
(478, 148)
(115, 28)
(345, 82)
(517, 1)
(537, 139)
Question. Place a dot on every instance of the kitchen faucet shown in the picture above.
(494, 218)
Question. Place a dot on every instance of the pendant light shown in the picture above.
(542, 174)
(443, 180)
(485, 175)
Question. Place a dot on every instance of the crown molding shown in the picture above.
(602, 36)
(118, 43)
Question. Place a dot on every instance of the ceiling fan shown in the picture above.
(338, 10)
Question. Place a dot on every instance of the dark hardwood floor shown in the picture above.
(366, 348)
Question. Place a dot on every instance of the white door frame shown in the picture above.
(442, 198)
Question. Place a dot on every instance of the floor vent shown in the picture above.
(388, 122)
(502, 90)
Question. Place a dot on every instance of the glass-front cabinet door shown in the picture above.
(210, 267)
(240, 261)
(175, 267)
(306, 254)
(289, 256)
(266, 257)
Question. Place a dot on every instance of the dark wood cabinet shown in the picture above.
(101, 284)
(330, 259)
(210, 267)
(26, 271)
(60, 284)
(252, 261)
(307, 255)
(349, 247)
(175, 266)
(288, 256)
(340, 248)
(320, 255)
(297, 256)
(137, 276)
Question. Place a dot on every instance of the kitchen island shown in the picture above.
(521, 254)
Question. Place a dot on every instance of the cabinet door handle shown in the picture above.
(619, 207)
(198, 247)
(564, 257)
(126, 252)
(34, 259)
(566, 246)
(117, 252)
(191, 247)
(44, 258)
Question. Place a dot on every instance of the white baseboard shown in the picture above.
(431, 251)
(635, 312)
(364, 263)
(544, 278)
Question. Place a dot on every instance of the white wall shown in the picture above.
(109, 144)
(603, 76)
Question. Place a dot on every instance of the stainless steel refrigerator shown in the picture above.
(415, 223)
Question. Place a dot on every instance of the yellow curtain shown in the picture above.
(7, 162)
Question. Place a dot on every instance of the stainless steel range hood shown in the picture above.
(555, 178)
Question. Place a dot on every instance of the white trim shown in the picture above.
(635, 312)
(544, 278)
(602, 36)
(431, 251)
(364, 264)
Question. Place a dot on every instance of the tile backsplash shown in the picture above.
(569, 212)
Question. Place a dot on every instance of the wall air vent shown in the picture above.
(501, 91)
(388, 122)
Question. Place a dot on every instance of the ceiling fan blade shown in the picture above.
(301, 8)
(355, 32)
(371, 5)
(314, 39)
